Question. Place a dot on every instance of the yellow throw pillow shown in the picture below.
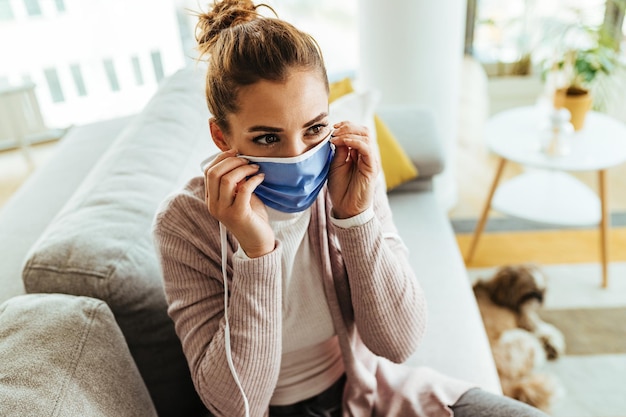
(396, 164)
(340, 88)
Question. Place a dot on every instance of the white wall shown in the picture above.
(412, 52)
(514, 91)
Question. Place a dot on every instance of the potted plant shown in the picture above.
(579, 69)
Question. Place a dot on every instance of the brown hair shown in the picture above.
(244, 47)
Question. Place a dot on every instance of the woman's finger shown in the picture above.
(246, 188)
(353, 143)
(219, 158)
(346, 127)
(223, 177)
(357, 143)
(349, 139)
(212, 174)
(359, 151)
(229, 182)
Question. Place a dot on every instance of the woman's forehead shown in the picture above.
(298, 99)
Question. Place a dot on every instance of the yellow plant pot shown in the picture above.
(578, 105)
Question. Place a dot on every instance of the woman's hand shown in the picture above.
(353, 170)
(229, 185)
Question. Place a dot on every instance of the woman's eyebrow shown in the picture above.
(315, 120)
(262, 128)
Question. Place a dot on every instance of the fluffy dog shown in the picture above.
(520, 340)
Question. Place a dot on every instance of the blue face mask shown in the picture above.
(292, 184)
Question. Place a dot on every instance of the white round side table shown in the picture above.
(545, 192)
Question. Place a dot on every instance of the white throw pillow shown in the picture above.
(358, 108)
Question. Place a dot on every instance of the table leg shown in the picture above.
(485, 212)
(604, 227)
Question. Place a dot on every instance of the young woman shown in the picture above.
(284, 274)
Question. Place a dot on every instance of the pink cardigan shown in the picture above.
(377, 304)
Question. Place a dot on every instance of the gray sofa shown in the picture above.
(83, 323)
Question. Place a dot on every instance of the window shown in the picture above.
(614, 21)
(6, 13)
(113, 78)
(27, 79)
(54, 85)
(186, 30)
(32, 7)
(109, 68)
(334, 26)
(505, 35)
(79, 82)
(137, 70)
(60, 5)
(157, 65)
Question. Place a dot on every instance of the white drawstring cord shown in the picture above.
(229, 355)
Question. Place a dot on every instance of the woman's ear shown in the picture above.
(218, 136)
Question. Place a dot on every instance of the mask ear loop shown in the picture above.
(229, 355)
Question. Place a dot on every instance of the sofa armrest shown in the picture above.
(415, 130)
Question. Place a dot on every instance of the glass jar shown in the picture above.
(557, 134)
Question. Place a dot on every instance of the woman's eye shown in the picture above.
(317, 129)
(266, 139)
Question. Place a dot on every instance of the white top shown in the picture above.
(311, 357)
(516, 135)
(306, 316)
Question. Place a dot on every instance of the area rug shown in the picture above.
(590, 331)
(510, 224)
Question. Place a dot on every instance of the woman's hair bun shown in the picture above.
(225, 14)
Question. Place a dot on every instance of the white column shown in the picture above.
(411, 51)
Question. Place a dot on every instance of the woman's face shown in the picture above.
(278, 119)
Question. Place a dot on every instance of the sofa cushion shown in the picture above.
(65, 356)
(455, 342)
(100, 245)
